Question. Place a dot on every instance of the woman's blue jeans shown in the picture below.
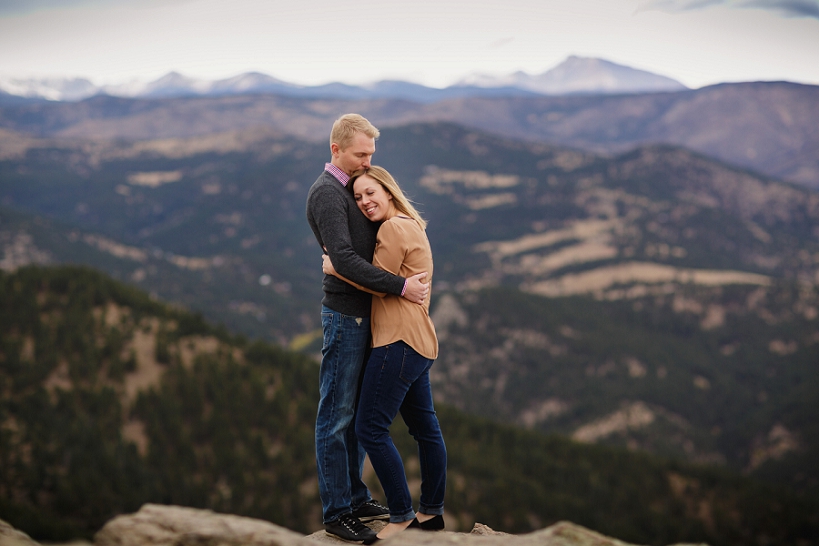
(339, 457)
(396, 378)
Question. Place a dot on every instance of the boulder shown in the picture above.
(160, 525)
(9, 536)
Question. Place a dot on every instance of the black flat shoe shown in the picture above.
(434, 524)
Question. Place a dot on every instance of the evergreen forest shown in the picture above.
(111, 399)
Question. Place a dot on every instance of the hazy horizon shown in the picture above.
(434, 43)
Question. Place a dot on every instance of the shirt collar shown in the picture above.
(339, 175)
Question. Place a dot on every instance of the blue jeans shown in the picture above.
(339, 457)
(396, 378)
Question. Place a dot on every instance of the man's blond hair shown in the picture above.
(345, 128)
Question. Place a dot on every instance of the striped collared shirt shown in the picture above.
(339, 175)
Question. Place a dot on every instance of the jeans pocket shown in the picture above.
(412, 364)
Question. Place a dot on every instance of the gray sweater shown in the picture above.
(349, 237)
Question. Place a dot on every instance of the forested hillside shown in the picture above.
(706, 274)
(644, 373)
(111, 399)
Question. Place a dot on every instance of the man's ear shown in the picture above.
(334, 148)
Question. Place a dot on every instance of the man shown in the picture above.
(349, 239)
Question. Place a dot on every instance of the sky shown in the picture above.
(432, 42)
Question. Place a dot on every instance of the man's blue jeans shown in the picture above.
(339, 457)
(396, 378)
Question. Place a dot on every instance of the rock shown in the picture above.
(9, 536)
(560, 534)
(481, 529)
(179, 526)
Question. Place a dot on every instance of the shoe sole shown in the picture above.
(329, 534)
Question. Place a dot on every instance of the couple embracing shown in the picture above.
(379, 342)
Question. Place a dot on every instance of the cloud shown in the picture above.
(785, 8)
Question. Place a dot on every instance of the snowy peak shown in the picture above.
(575, 75)
(249, 82)
(49, 88)
(583, 75)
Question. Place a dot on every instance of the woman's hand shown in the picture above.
(327, 266)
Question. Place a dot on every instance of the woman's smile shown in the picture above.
(372, 199)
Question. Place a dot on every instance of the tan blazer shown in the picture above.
(402, 249)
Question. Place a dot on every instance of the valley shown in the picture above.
(611, 289)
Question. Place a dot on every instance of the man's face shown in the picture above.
(356, 155)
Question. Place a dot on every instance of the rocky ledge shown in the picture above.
(158, 525)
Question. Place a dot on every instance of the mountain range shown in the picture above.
(766, 127)
(574, 75)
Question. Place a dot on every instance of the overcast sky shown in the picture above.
(434, 42)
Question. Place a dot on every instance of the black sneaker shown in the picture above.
(348, 528)
(371, 510)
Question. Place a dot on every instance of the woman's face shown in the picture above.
(373, 200)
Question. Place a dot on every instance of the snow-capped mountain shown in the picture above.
(574, 75)
(172, 84)
(49, 88)
(582, 75)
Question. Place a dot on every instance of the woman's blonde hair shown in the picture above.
(400, 201)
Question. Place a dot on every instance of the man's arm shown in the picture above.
(328, 269)
(330, 215)
(417, 291)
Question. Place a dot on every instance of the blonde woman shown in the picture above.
(396, 376)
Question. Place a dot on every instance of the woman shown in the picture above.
(396, 376)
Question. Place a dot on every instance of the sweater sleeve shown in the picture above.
(362, 288)
(331, 221)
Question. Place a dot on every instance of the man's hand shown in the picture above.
(417, 291)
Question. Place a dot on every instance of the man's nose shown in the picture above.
(366, 163)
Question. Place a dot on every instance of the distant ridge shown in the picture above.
(575, 75)
(583, 75)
